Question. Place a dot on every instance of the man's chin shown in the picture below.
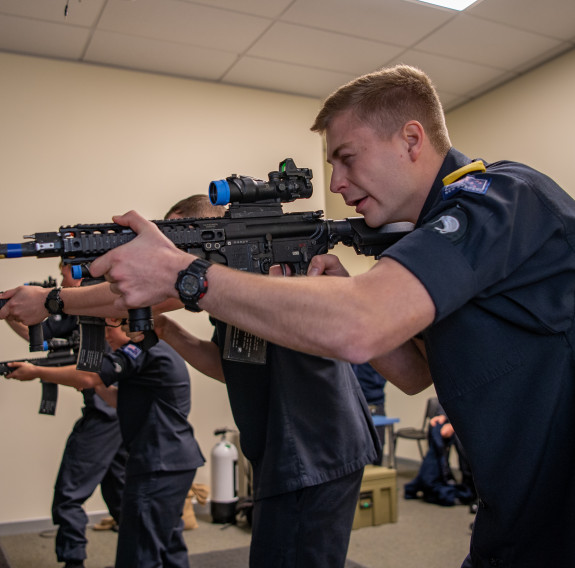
(372, 221)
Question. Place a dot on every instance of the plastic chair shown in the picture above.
(432, 408)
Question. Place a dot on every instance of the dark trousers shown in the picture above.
(93, 453)
(150, 532)
(308, 528)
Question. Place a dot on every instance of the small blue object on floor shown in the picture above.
(379, 420)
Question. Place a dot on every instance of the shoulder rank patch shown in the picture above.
(468, 183)
(131, 350)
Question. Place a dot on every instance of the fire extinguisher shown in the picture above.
(224, 475)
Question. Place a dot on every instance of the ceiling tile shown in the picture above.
(449, 74)
(556, 19)
(486, 43)
(391, 21)
(36, 37)
(175, 21)
(328, 50)
(450, 101)
(285, 77)
(79, 13)
(305, 47)
(157, 56)
(264, 8)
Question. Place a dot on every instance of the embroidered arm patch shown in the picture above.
(451, 223)
(468, 183)
(131, 350)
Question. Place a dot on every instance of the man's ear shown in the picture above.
(414, 134)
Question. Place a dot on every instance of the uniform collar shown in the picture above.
(453, 161)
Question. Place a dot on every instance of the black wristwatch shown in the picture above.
(192, 284)
(54, 303)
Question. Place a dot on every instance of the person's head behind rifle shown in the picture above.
(195, 206)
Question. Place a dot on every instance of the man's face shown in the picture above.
(372, 174)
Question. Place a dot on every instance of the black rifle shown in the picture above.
(53, 359)
(58, 357)
(253, 235)
(48, 283)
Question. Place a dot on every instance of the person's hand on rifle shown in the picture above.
(26, 304)
(144, 271)
(327, 264)
(22, 371)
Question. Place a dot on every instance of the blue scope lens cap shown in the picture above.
(219, 192)
(77, 272)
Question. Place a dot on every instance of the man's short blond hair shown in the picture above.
(197, 206)
(386, 100)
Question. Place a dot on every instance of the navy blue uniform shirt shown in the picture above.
(153, 405)
(496, 252)
(303, 420)
(371, 383)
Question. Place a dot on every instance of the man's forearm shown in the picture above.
(68, 376)
(200, 354)
(405, 367)
(97, 300)
(354, 319)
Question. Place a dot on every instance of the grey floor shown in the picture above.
(425, 535)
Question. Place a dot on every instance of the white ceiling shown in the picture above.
(305, 47)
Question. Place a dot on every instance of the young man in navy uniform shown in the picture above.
(153, 400)
(479, 299)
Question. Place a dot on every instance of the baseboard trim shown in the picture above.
(42, 524)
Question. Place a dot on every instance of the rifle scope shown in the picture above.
(287, 184)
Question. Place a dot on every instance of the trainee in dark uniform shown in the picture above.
(305, 427)
(496, 252)
(154, 401)
(94, 455)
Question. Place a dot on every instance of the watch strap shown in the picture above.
(54, 304)
(198, 268)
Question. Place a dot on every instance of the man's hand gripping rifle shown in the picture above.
(35, 334)
(253, 235)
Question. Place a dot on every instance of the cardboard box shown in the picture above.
(377, 498)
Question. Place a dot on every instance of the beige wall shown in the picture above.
(80, 143)
(530, 120)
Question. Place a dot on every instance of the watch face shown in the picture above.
(189, 285)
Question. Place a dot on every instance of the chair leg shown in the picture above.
(420, 449)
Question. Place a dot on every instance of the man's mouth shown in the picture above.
(357, 203)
